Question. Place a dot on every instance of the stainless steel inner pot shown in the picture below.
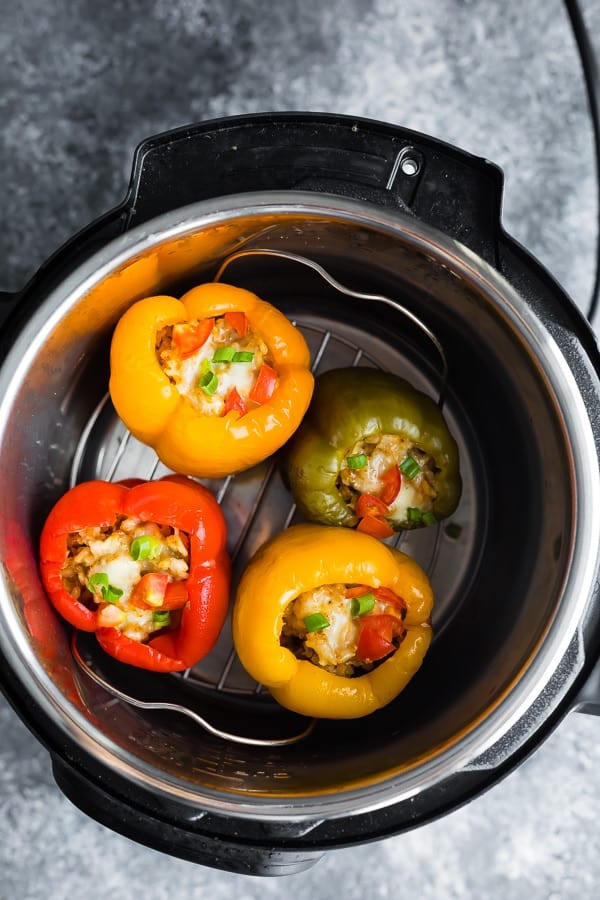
(514, 571)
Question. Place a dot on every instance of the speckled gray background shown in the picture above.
(81, 83)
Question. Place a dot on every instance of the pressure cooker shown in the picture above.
(386, 248)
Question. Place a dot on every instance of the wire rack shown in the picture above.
(256, 504)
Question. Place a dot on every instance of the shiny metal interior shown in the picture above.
(508, 596)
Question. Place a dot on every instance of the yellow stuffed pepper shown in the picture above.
(332, 621)
(215, 382)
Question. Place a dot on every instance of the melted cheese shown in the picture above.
(137, 624)
(109, 554)
(123, 573)
(186, 372)
(409, 495)
(337, 643)
(388, 451)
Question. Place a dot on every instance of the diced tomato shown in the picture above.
(265, 384)
(391, 481)
(233, 400)
(238, 321)
(389, 626)
(150, 590)
(375, 637)
(370, 505)
(358, 590)
(155, 591)
(372, 646)
(382, 594)
(189, 337)
(375, 525)
(176, 595)
(387, 595)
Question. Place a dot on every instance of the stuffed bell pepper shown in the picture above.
(333, 621)
(141, 564)
(372, 452)
(215, 382)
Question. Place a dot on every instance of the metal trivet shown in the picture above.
(183, 710)
(349, 292)
(260, 506)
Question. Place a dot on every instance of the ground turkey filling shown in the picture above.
(101, 572)
(373, 458)
(335, 647)
(203, 375)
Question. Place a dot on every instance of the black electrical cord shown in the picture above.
(592, 82)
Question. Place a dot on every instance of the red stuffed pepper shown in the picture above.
(143, 565)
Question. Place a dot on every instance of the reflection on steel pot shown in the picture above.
(514, 569)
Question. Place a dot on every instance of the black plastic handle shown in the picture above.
(456, 192)
(394, 167)
(195, 843)
(588, 699)
(7, 304)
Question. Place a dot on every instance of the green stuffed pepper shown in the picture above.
(372, 452)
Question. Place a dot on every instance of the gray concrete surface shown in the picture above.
(80, 84)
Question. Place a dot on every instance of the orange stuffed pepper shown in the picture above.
(215, 382)
(332, 621)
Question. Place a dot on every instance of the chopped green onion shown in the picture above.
(360, 606)
(414, 514)
(99, 579)
(223, 354)
(112, 594)
(316, 622)
(410, 467)
(357, 462)
(243, 356)
(109, 593)
(205, 366)
(161, 617)
(209, 383)
(429, 518)
(145, 547)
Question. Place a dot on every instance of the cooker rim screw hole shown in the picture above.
(410, 165)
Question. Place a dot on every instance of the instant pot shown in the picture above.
(386, 248)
